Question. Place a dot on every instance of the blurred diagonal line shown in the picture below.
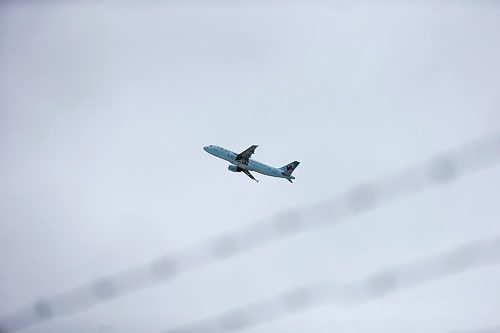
(443, 168)
(390, 280)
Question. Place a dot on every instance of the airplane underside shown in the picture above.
(236, 168)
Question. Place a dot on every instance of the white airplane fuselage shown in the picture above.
(252, 165)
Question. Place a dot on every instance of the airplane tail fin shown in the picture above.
(288, 169)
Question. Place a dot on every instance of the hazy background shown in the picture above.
(105, 107)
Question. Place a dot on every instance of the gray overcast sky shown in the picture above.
(105, 107)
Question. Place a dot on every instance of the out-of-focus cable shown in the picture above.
(443, 168)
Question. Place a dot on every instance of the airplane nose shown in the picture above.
(205, 148)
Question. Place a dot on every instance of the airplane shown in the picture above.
(242, 163)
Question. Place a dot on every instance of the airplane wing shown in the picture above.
(249, 174)
(244, 156)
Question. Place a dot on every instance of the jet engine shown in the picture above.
(234, 168)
